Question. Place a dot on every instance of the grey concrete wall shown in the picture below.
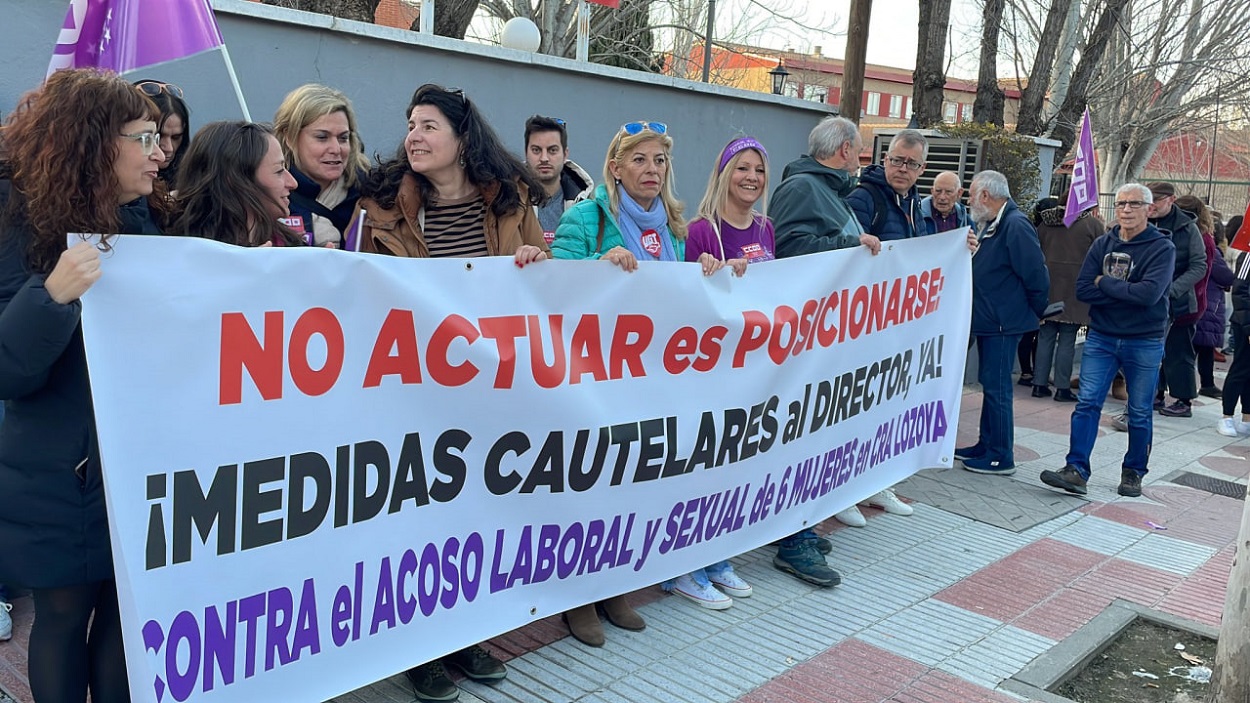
(275, 50)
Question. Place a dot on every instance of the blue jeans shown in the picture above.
(996, 355)
(1103, 355)
(1057, 341)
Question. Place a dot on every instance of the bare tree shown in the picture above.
(1171, 64)
(1033, 99)
(929, 78)
(360, 10)
(988, 106)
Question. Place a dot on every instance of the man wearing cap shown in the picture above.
(547, 155)
(1178, 370)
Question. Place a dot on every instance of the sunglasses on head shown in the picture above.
(155, 88)
(633, 128)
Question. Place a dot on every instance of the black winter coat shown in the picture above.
(53, 525)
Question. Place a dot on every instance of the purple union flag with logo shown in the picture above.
(123, 35)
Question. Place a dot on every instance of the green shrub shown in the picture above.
(1011, 154)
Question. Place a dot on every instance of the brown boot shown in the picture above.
(1119, 391)
(621, 614)
(584, 624)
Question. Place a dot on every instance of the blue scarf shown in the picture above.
(633, 221)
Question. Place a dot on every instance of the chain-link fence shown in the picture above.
(1228, 197)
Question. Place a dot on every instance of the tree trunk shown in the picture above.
(1034, 97)
(856, 57)
(623, 37)
(1063, 62)
(451, 18)
(359, 10)
(929, 78)
(989, 103)
(1091, 55)
(1230, 677)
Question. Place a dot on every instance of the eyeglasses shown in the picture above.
(900, 162)
(1129, 204)
(147, 140)
(155, 88)
(632, 128)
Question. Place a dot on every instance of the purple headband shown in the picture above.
(737, 145)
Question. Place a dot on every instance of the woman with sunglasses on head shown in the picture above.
(235, 187)
(727, 231)
(634, 214)
(316, 127)
(174, 125)
(453, 190)
(79, 154)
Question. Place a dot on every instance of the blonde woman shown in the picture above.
(316, 127)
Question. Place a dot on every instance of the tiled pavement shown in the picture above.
(934, 608)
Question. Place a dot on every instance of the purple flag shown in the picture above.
(1083, 194)
(123, 35)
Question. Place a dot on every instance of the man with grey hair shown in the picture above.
(886, 201)
(809, 209)
(1010, 289)
(942, 210)
(1125, 279)
(810, 215)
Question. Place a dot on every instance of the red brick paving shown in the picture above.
(1063, 613)
(1128, 580)
(1201, 596)
(856, 672)
(1011, 586)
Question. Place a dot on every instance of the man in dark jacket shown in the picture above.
(1010, 287)
(809, 209)
(1125, 279)
(942, 210)
(886, 201)
(810, 215)
(1178, 371)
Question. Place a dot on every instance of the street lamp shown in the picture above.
(779, 75)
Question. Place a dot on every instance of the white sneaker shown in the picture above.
(851, 517)
(6, 622)
(1243, 428)
(1227, 426)
(729, 582)
(699, 590)
(887, 501)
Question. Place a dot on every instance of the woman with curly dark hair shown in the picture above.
(453, 189)
(79, 154)
(235, 187)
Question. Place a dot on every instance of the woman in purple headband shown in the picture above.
(727, 231)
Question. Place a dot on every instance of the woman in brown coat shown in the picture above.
(453, 190)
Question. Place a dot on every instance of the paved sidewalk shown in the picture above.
(935, 607)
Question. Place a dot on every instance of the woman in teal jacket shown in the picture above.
(634, 215)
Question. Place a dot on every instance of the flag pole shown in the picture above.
(234, 81)
(583, 31)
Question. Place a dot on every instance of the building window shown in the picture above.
(907, 109)
(817, 94)
(896, 106)
(790, 90)
(967, 112)
(874, 104)
(950, 112)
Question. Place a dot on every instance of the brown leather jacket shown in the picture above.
(397, 231)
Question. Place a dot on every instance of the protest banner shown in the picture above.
(323, 467)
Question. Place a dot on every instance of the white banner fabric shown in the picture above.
(323, 468)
